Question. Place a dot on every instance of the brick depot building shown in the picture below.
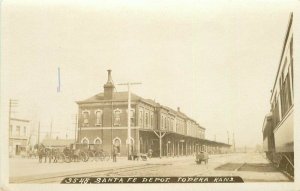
(102, 119)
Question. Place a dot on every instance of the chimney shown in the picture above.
(109, 87)
(178, 109)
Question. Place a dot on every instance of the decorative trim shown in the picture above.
(97, 138)
(132, 109)
(117, 138)
(85, 138)
(98, 110)
(118, 110)
(85, 111)
(113, 128)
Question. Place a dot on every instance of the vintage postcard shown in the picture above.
(179, 95)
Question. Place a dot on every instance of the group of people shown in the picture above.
(115, 152)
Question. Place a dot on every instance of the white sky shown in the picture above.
(216, 61)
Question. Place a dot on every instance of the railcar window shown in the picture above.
(292, 59)
(276, 112)
(286, 100)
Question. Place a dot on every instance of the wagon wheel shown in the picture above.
(61, 158)
(83, 156)
(290, 169)
(106, 156)
(100, 155)
(67, 158)
(97, 155)
(91, 155)
(86, 157)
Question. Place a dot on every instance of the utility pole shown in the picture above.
(228, 137)
(233, 142)
(39, 132)
(76, 127)
(12, 103)
(51, 128)
(128, 115)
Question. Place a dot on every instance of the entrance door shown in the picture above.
(18, 149)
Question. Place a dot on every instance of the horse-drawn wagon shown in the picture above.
(202, 156)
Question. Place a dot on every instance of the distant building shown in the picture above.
(48, 142)
(103, 120)
(18, 135)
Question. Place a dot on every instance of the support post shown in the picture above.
(173, 150)
(160, 136)
(178, 153)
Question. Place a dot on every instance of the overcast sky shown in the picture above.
(216, 61)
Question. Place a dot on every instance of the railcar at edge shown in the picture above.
(278, 126)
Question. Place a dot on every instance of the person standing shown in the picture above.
(115, 151)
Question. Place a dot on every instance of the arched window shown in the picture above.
(86, 115)
(98, 113)
(117, 143)
(85, 140)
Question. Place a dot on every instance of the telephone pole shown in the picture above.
(39, 132)
(233, 142)
(76, 126)
(228, 137)
(128, 141)
(51, 129)
(12, 103)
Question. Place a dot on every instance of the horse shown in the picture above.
(42, 153)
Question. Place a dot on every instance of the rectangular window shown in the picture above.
(167, 123)
(117, 117)
(146, 119)
(98, 118)
(286, 100)
(24, 131)
(10, 130)
(132, 118)
(151, 120)
(276, 112)
(141, 118)
(85, 118)
(291, 60)
(18, 130)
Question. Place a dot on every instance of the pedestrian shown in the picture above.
(115, 151)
